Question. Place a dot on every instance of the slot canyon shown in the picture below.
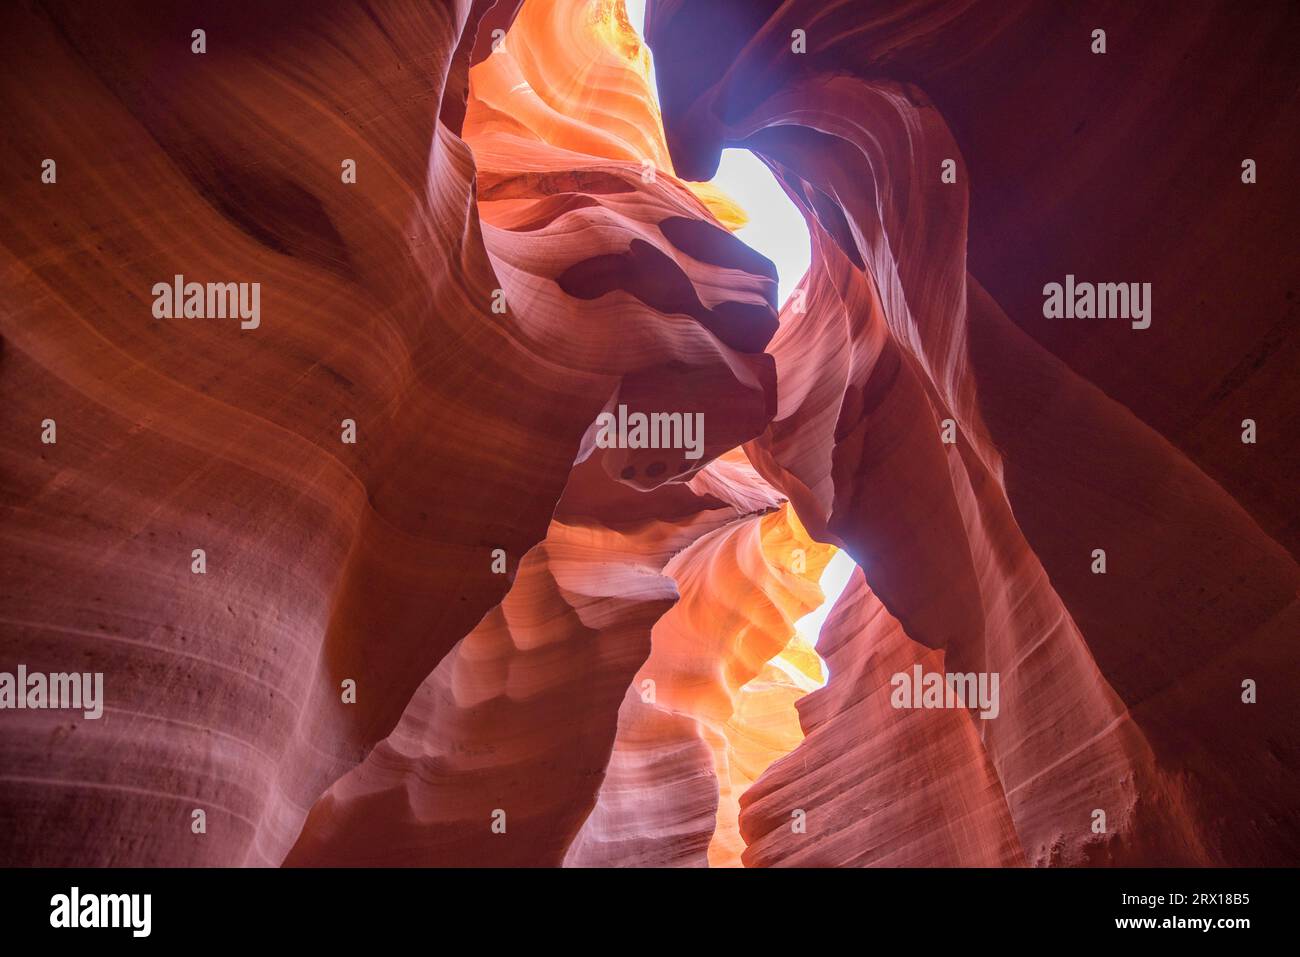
(367, 582)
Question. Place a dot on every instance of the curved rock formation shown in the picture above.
(224, 689)
(1125, 690)
(368, 585)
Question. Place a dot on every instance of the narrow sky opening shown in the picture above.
(776, 228)
(636, 16)
(835, 577)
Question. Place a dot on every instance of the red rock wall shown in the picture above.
(525, 171)
(1125, 689)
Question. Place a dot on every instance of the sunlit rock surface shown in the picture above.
(630, 691)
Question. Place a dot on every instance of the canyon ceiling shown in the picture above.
(469, 631)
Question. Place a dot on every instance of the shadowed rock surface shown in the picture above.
(542, 174)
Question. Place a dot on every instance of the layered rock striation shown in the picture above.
(470, 631)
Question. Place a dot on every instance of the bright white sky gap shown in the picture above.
(833, 581)
(776, 227)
